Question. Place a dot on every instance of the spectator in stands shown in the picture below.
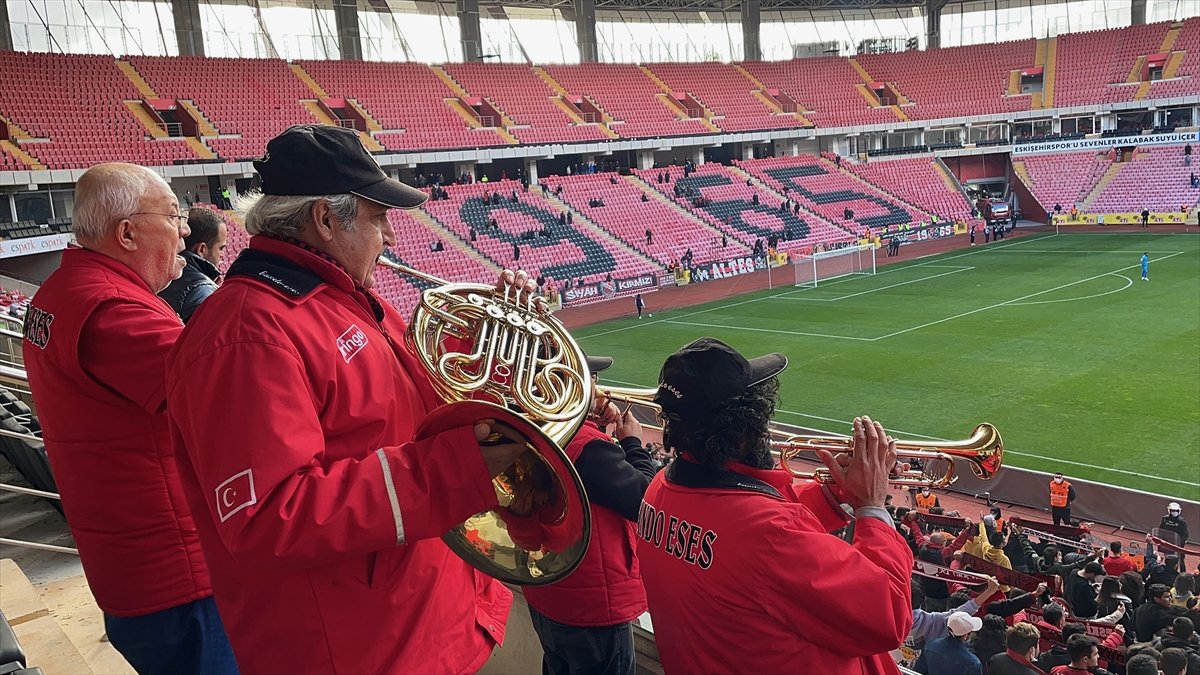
(1195, 182)
(645, 198)
(1082, 596)
(516, 252)
(1141, 664)
(989, 640)
(187, 197)
(1022, 650)
(474, 235)
(1156, 613)
(1187, 155)
(649, 235)
(1061, 497)
(928, 626)
(1145, 217)
(1084, 651)
(202, 251)
(1181, 634)
(949, 655)
(95, 348)
(1057, 654)
(319, 506)
(1175, 661)
(1181, 591)
(1114, 563)
(583, 621)
(852, 604)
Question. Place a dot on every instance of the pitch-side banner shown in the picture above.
(11, 248)
(1104, 143)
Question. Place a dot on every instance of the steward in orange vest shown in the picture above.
(1061, 496)
(926, 500)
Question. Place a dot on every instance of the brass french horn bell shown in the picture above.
(494, 354)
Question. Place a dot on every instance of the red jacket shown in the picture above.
(606, 588)
(293, 409)
(743, 581)
(96, 342)
(1114, 567)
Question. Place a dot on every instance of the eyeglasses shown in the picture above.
(181, 216)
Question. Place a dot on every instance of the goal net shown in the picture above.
(813, 269)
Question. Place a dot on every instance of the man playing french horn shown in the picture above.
(319, 481)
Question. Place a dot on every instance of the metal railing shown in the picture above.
(173, 129)
(348, 124)
(487, 120)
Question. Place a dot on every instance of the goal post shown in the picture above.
(823, 266)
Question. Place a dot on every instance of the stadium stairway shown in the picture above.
(57, 623)
(561, 103)
(131, 73)
(472, 120)
(24, 157)
(1109, 174)
(667, 98)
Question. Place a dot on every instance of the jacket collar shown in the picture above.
(201, 265)
(323, 265)
(86, 257)
(1020, 658)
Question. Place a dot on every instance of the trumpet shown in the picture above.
(983, 450)
(489, 353)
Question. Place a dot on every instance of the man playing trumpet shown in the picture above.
(741, 572)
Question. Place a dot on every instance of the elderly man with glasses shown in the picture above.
(96, 341)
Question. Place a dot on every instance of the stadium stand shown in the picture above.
(415, 116)
(571, 251)
(86, 122)
(628, 96)
(728, 206)
(1098, 66)
(1185, 81)
(525, 99)
(1063, 179)
(955, 81)
(825, 87)
(821, 187)
(627, 217)
(918, 181)
(1155, 179)
(725, 92)
(248, 101)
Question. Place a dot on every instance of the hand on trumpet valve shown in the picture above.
(521, 290)
(605, 412)
(628, 427)
(863, 481)
(499, 444)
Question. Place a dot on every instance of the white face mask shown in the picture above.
(925, 492)
(1058, 480)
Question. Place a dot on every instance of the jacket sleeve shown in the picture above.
(1070, 494)
(194, 296)
(1010, 606)
(616, 476)
(258, 452)
(866, 585)
(821, 503)
(124, 346)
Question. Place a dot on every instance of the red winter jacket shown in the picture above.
(748, 581)
(293, 410)
(96, 343)
(606, 588)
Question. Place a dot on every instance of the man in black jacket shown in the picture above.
(202, 251)
(1156, 613)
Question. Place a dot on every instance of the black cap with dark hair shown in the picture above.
(698, 378)
(313, 160)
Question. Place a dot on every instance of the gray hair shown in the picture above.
(287, 215)
(108, 192)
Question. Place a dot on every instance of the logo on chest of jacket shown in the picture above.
(351, 342)
(37, 327)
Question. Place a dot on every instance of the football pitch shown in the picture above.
(1055, 339)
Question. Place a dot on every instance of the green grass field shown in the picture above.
(1054, 339)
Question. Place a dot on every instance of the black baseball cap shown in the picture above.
(697, 379)
(317, 159)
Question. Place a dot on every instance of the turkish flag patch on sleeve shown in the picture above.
(235, 494)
